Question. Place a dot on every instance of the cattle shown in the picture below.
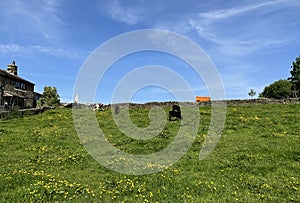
(98, 107)
(176, 112)
(117, 110)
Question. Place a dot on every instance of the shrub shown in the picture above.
(278, 90)
(50, 98)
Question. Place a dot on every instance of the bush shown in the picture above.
(50, 98)
(295, 77)
(278, 90)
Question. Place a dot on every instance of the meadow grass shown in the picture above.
(257, 159)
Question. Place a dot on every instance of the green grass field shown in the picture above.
(257, 159)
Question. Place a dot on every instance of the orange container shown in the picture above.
(202, 99)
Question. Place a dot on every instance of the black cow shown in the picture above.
(175, 112)
(117, 109)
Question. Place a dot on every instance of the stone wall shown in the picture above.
(245, 102)
(236, 102)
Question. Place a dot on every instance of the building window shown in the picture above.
(20, 85)
(18, 102)
(37, 97)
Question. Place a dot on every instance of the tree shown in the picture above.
(252, 93)
(295, 77)
(278, 90)
(50, 97)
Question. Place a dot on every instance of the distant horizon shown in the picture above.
(145, 102)
(194, 102)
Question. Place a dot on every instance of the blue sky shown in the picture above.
(252, 43)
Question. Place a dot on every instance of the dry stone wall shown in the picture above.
(236, 102)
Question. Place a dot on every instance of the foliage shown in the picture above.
(278, 90)
(295, 76)
(256, 160)
(12, 113)
(252, 93)
(50, 98)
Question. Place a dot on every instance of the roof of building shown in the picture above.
(12, 94)
(9, 75)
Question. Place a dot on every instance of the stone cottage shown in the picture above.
(15, 91)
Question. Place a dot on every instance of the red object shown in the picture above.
(202, 99)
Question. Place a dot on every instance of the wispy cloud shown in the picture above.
(59, 52)
(245, 29)
(40, 19)
(127, 14)
(11, 48)
(65, 77)
(180, 25)
(226, 13)
(37, 49)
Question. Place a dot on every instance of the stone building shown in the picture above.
(15, 91)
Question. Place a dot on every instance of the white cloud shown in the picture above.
(36, 75)
(58, 51)
(226, 13)
(130, 15)
(11, 48)
(245, 29)
(37, 19)
(176, 25)
(203, 30)
(37, 49)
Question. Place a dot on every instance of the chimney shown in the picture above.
(12, 68)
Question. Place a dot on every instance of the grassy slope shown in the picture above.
(256, 159)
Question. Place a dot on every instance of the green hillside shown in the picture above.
(257, 159)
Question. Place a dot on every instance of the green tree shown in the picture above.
(278, 90)
(50, 98)
(252, 93)
(295, 77)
